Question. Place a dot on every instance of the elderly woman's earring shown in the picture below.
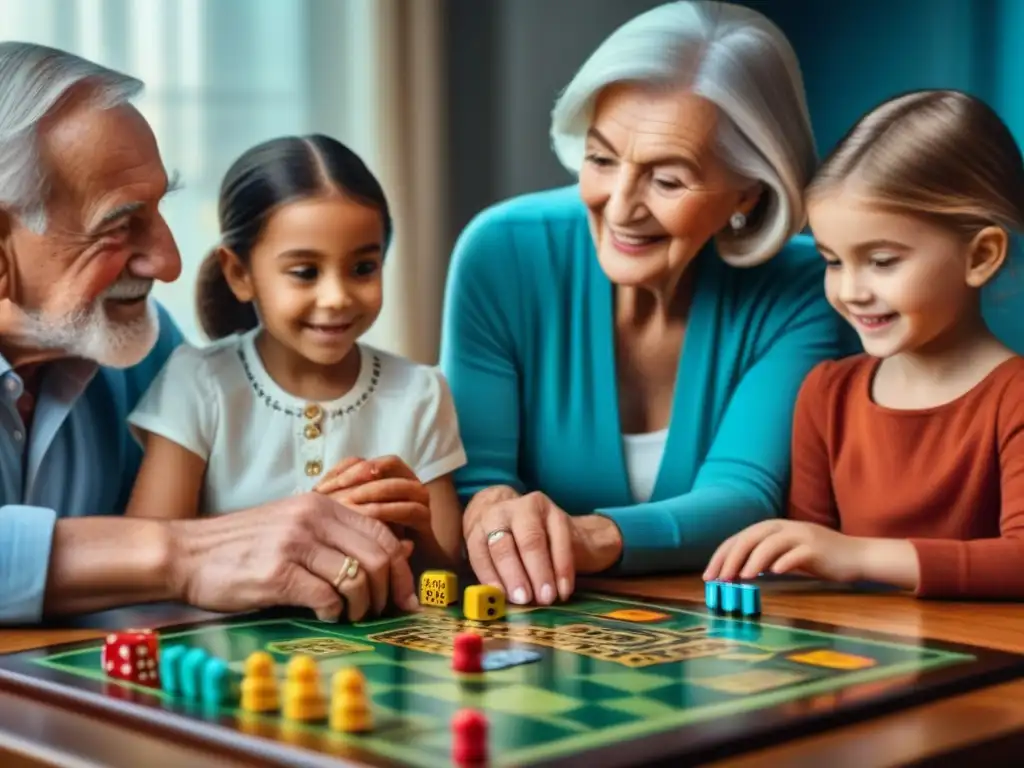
(737, 221)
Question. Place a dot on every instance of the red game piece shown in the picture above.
(469, 737)
(133, 655)
(468, 652)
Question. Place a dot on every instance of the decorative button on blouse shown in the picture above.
(311, 449)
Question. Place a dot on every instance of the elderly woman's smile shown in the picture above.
(634, 245)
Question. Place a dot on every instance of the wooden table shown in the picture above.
(983, 728)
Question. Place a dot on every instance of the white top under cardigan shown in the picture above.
(643, 460)
(262, 444)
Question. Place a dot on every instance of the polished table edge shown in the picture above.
(44, 734)
(928, 734)
(964, 727)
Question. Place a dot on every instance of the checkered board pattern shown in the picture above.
(611, 670)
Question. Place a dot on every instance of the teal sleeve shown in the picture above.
(745, 476)
(478, 355)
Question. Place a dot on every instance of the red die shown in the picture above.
(133, 655)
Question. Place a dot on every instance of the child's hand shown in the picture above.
(788, 546)
(384, 488)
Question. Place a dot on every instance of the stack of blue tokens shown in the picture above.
(732, 599)
(194, 675)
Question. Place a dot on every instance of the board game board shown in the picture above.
(620, 682)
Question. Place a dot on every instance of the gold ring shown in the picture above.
(349, 570)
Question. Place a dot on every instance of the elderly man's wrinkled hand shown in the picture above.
(305, 550)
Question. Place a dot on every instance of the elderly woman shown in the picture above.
(625, 353)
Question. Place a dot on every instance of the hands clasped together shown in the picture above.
(384, 489)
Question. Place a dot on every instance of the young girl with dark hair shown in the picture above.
(286, 392)
(908, 460)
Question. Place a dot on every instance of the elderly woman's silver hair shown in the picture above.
(740, 61)
(34, 81)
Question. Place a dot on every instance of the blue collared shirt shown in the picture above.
(80, 460)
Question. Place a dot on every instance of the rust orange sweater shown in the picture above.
(949, 479)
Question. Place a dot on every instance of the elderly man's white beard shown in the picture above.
(90, 334)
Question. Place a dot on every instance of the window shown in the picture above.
(219, 77)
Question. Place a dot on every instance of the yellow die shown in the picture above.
(482, 602)
(438, 588)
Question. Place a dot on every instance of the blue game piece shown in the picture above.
(731, 629)
(191, 672)
(750, 599)
(713, 596)
(170, 668)
(509, 657)
(216, 682)
(730, 598)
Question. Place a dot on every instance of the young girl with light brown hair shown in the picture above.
(908, 460)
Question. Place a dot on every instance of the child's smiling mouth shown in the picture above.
(329, 329)
(875, 322)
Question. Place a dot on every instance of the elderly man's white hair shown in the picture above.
(737, 59)
(35, 80)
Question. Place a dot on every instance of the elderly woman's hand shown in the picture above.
(531, 548)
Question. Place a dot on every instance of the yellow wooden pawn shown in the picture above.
(350, 706)
(259, 687)
(303, 699)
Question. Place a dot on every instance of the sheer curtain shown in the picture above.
(222, 75)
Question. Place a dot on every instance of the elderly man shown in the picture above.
(81, 243)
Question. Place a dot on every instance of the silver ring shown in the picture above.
(496, 534)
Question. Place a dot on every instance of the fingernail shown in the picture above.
(519, 596)
(547, 594)
(564, 590)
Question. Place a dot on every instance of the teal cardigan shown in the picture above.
(528, 350)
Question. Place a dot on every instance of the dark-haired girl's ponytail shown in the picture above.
(220, 313)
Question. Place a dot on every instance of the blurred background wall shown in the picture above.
(448, 100)
(507, 59)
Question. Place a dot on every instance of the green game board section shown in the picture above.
(601, 680)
